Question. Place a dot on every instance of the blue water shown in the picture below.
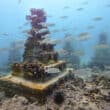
(13, 12)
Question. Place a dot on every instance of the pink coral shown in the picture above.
(37, 16)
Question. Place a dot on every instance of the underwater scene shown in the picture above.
(54, 55)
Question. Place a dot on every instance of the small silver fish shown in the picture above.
(48, 40)
(55, 31)
(64, 29)
(85, 3)
(5, 34)
(41, 31)
(66, 7)
(108, 5)
(79, 53)
(97, 18)
(64, 17)
(14, 48)
(19, 1)
(50, 16)
(25, 31)
(51, 24)
(3, 49)
(17, 47)
(102, 46)
(80, 9)
(44, 25)
(90, 27)
(62, 51)
(20, 42)
(46, 36)
(20, 27)
(84, 36)
(69, 38)
(26, 23)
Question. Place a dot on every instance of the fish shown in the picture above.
(26, 23)
(67, 35)
(44, 25)
(62, 51)
(52, 41)
(9, 49)
(80, 9)
(17, 47)
(3, 49)
(46, 36)
(5, 34)
(19, 1)
(75, 28)
(51, 24)
(84, 36)
(108, 5)
(64, 17)
(50, 16)
(20, 27)
(56, 41)
(102, 46)
(64, 29)
(66, 7)
(85, 3)
(55, 31)
(26, 31)
(20, 42)
(69, 38)
(78, 53)
(41, 31)
(97, 18)
(90, 27)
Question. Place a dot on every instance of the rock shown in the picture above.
(105, 92)
(74, 94)
(107, 98)
(49, 109)
(79, 82)
(2, 95)
(59, 97)
(22, 100)
(67, 108)
(96, 69)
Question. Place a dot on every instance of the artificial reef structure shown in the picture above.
(101, 57)
(71, 59)
(39, 54)
(40, 69)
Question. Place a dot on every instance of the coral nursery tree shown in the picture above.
(102, 52)
(39, 51)
(36, 49)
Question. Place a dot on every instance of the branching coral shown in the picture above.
(37, 16)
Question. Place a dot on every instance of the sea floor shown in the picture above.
(88, 90)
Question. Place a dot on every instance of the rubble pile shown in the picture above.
(76, 94)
